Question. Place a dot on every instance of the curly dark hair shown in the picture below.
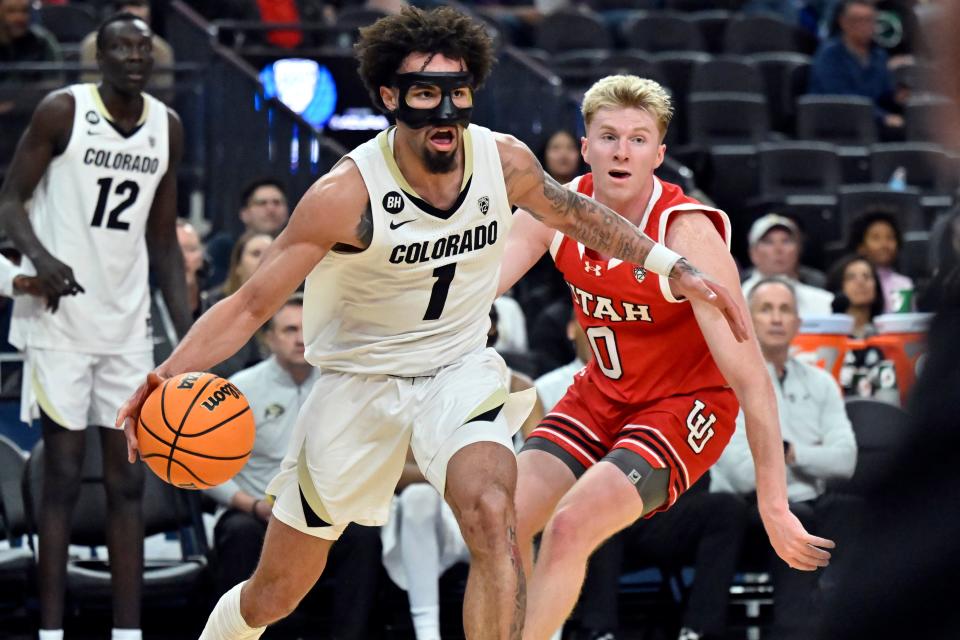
(862, 223)
(384, 44)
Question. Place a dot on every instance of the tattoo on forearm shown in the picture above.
(520, 595)
(596, 225)
(681, 267)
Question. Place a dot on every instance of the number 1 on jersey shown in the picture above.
(438, 295)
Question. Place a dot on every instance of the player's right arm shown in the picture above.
(334, 210)
(46, 136)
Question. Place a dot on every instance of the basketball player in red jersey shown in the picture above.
(656, 406)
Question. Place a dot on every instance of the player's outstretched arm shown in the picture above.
(742, 364)
(46, 136)
(330, 212)
(166, 259)
(602, 229)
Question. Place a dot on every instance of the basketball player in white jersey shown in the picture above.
(400, 245)
(99, 162)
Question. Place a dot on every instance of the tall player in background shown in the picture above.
(656, 405)
(400, 245)
(100, 165)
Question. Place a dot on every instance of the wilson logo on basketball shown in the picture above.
(218, 396)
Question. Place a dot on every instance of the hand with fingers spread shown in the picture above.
(56, 279)
(799, 549)
(129, 414)
(693, 285)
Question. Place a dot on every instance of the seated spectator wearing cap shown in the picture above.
(161, 81)
(875, 235)
(775, 251)
(818, 444)
(852, 64)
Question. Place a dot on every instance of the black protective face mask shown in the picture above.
(446, 111)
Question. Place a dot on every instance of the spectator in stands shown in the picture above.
(194, 264)
(852, 64)
(818, 444)
(946, 260)
(276, 389)
(775, 243)
(21, 41)
(561, 156)
(244, 260)
(875, 235)
(162, 81)
(856, 288)
(263, 209)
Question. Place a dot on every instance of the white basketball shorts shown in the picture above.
(353, 431)
(79, 389)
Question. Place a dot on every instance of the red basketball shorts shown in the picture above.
(684, 433)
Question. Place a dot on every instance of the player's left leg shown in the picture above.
(601, 503)
(481, 480)
(124, 486)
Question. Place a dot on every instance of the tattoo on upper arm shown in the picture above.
(364, 232)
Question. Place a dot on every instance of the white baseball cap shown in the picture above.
(764, 224)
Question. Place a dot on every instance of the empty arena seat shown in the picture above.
(784, 80)
(662, 31)
(846, 120)
(760, 33)
(925, 116)
(915, 254)
(880, 429)
(727, 118)
(727, 74)
(580, 68)
(927, 166)
(793, 168)
(713, 25)
(568, 29)
(633, 62)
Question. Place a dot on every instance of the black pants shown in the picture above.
(353, 567)
(702, 529)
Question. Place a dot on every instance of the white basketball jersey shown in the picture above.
(418, 298)
(90, 211)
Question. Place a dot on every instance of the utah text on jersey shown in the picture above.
(600, 307)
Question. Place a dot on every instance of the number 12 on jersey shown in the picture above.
(127, 188)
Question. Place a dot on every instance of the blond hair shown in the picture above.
(626, 92)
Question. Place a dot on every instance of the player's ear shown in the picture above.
(661, 154)
(389, 97)
(584, 149)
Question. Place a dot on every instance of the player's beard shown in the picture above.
(440, 162)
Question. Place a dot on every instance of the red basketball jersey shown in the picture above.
(646, 342)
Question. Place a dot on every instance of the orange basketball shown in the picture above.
(196, 430)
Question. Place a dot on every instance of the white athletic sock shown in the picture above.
(51, 634)
(126, 634)
(225, 621)
(426, 622)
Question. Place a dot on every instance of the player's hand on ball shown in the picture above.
(129, 413)
(799, 549)
(688, 282)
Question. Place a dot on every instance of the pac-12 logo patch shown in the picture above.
(639, 273)
(484, 204)
(92, 117)
(393, 202)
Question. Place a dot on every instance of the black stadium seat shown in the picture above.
(784, 79)
(568, 29)
(845, 120)
(794, 168)
(925, 116)
(905, 205)
(727, 118)
(727, 74)
(759, 34)
(928, 166)
(663, 31)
